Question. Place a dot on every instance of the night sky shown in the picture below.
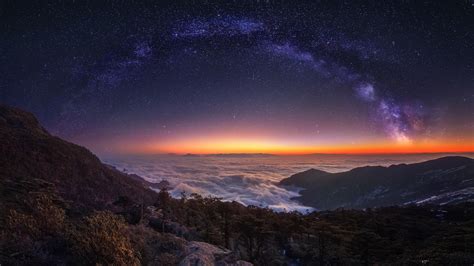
(244, 76)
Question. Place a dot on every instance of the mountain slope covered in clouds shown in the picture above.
(440, 181)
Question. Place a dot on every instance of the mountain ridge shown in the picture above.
(375, 186)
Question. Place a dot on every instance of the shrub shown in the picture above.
(32, 223)
(102, 239)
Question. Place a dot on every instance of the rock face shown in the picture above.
(440, 181)
(204, 254)
(29, 151)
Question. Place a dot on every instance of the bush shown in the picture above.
(32, 233)
(102, 239)
(156, 248)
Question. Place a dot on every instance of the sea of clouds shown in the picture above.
(248, 179)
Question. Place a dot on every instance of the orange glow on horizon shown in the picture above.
(235, 145)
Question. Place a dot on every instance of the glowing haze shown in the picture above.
(282, 78)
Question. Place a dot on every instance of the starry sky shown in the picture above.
(244, 76)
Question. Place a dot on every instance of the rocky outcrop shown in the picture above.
(204, 254)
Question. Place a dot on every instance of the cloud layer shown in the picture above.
(250, 180)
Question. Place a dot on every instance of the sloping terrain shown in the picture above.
(28, 151)
(444, 180)
(59, 205)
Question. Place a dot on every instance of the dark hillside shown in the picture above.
(29, 151)
(445, 180)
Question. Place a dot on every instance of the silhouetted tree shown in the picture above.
(163, 203)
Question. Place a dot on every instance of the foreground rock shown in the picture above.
(203, 254)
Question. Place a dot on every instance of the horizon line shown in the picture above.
(298, 154)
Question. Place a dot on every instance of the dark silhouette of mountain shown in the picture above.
(29, 152)
(440, 181)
